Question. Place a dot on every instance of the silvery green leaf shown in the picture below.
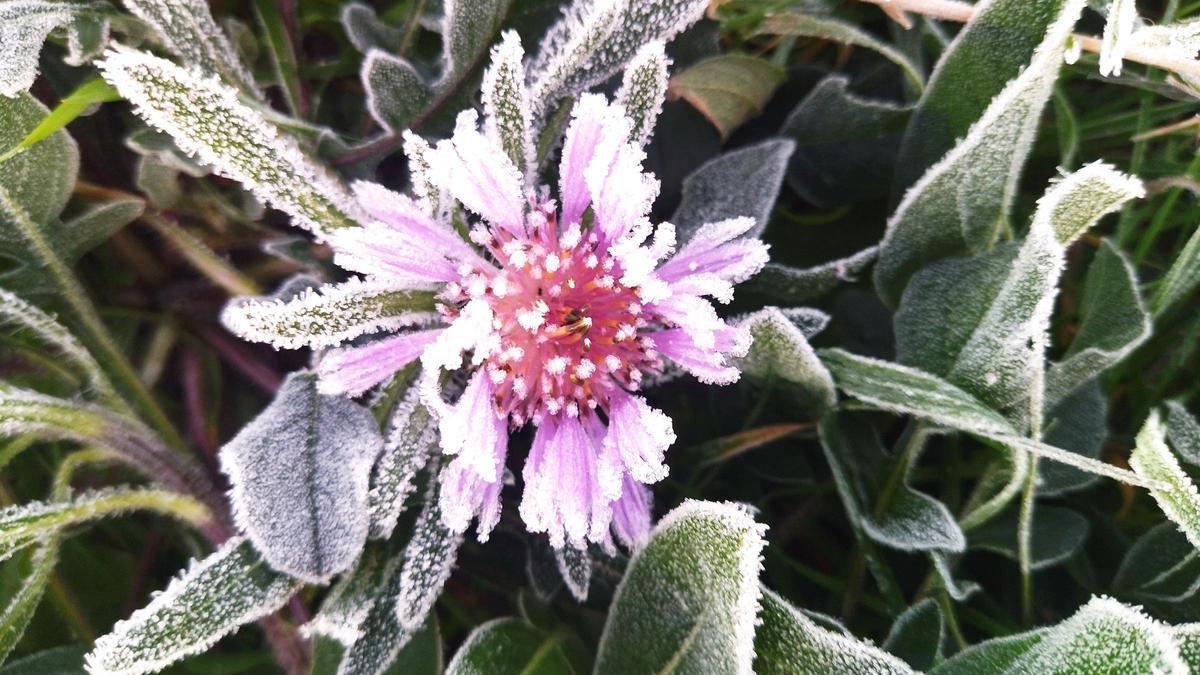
(468, 29)
(1178, 40)
(959, 590)
(206, 118)
(211, 599)
(350, 599)
(24, 26)
(1113, 322)
(382, 641)
(367, 31)
(95, 225)
(787, 642)
(509, 647)
(1104, 636)
(1058, 533)
(575, 568)
(87, 37)
(913, 521)
(1161, 566)
(329, 315)
(188, 30)
(299, 474)
(396, 93)
(1187, 637)
(780, 353)
(594, 40)
(1183, 432)
(786, 284)
(22, 604)
(150, 142)
(846, 145)
(916, 635)
(412, 438)
(506, 102)
(689, 598)
(429, 560)
(1078, 423)
(743, 182)
(39, 180)
(963, 200)
(1152, 459)
(158, 181)
(1182, 278)
(643, 90)
(1118, 30)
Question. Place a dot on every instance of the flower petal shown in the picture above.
(464, 495)
(640, 434)
(411, 220)
(591, 119)
(563, 496)
(354, 370)
(474, 431)
(478, 173)
(714, 252)
(631, 514)
(708, 365)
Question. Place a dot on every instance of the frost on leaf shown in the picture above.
(367, 31)
(741, 183)
(188, 30)
(963, 200)
(351, 598)
(328, 316)
(596, 38)
(788, 642)
(428, 561)
(643, 90)
(783, 283)
(396, 93)
(509, 647)
(575, 568)
(1183, 432)
(299, 473)
(1152, 459)
(1161, 566)
(24, 26)
(779, 353)
(1104, 636)
(506, 102)
(380, 635)
(468, 27)
(412, 438)
(689, 598)
(1122, 19)
(206, 118)
(212, 598)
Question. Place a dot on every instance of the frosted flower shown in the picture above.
(556, 312)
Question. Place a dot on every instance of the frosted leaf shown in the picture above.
(509, 647)
(23, 524)
(643, 90)
(786, 284)
(1152, 459)
(787, 642)
(1114, 321)
(575, 568)
(24, 26)
(506, 103)
(396, 93)
(468, 28)
(861, 468)
(152, 143)
(1161, 566)
(1057, 535)
(206, 119)
(211, 599)
(917, 634)
(412, 438)
(381, 637)
(349, 602)
(1078, 423)
(1118, 29)
(417, 150)
(1104, 636)
(87, 38)
(689, 598)
(367, 31)
(188, 30)
(596, 38)
(429, 560)
(1187, 637)
(22, 604)
(962, 201)
(299, 474)
(329, 315)
(743, 182)
(38, 181)
(780, 352)
(1180, 40)
(1183, 432)
(957, 589)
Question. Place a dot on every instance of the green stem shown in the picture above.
(1025, 541)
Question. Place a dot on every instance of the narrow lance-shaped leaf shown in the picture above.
(206, 118)
(468, 28)
(961, 202)
(188, 30)
(412, 438)
(744, 182)
(72, 106)
(350, 599)
(24, 603)
(643, 90)
(689, 598)
(428, 561)
(506, 102)
(790, 285)
(381, 638)
(1161, 566)
(231, 587)
(1178, 498)
(299, 473)
(24, 26)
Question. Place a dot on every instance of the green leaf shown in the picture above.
(207, 118)
(643, 90)
(215, 596)
(189, 31)
(299, 474)
(916, 636)
(688, 600)
(1188, 638)
(39, 181)
(468, 28)
(798, 24)
(411, 439)
(510, 647)
(269, 15)
(787, 642)
(56, 661)
(1183, 432)
(396, 93)
(367, 31)
(24, 26)
(743, 182)
(1161, 566)
(1058, 533)
(1104, 636)
(75, 104)
(1181, 279)
(728, 89)
(1152, 459)
(789, 285)
(780, 355)
(506, 103)
(21, 607)
(961, 203)
(1078, 423)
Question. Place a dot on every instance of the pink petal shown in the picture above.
(708, 365)
(378, 251)
(563, 496)
(353, 370)
(631, 518)
(411, 221)
(714, 250)
(480, 175)
(464, 495)
(589, 119)
(473, 430)
(640, 434)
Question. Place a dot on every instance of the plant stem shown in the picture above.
(1025, 541)
(202, 257)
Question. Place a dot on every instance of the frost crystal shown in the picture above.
(189, 31)
(643, 90)
(428, 561)
(24, 25)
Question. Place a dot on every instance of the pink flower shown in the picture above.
(558, 311)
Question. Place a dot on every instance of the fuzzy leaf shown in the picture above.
(643, 89)
(367, 31)
(428, 561)
(1058, 533)
(916, 636)
(1182, 278)
(1078, 423)
(1118, 31)
(506, 102)
(788, 642)
(299, 473)
(382, 642)
(744, 182)
(575, 568)
(206, 119)
(468, 28)
(72, 106)
(188, 30)
(728, 89)
(412, 438)
(350, 599)
(509, 647)
(780, 353)
(1104, 636)
(961, 202)
(396, 93)
(22, 605)
(1161, 566)
(789, 285)
(215, 596)
(1183, 432)
(1152, 459)
(24, 26)
(329, 315)
(27, 319)
(55, 661)
(689, 598)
